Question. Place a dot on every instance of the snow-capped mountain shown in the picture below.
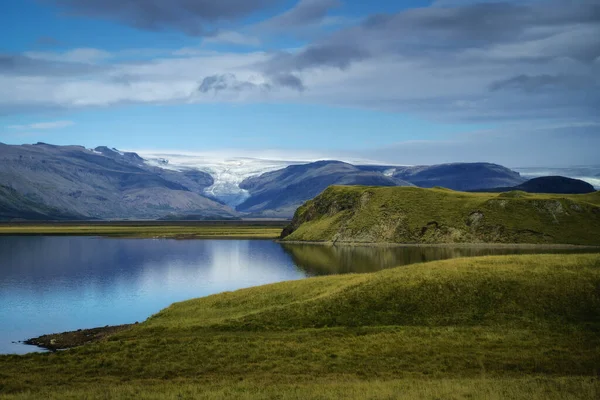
(227, 172)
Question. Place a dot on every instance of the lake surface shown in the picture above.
(56, 284)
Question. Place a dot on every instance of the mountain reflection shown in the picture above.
(56, 284)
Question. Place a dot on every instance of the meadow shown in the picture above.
(523, 327)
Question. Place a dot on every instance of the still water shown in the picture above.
(56, 284)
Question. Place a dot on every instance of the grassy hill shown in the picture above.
(415, 215)
(492, 327)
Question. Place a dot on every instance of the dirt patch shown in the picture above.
(67, 340)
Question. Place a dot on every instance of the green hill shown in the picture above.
(414, 215)
(491, 327)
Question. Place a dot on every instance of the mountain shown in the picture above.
(459, 176)
(101, 184)
(343, 214)
(549, 184)
(281, 192)
(14, 206)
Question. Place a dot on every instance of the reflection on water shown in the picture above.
(56, 284)
(327, 260)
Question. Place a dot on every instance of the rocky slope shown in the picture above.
(414, 215)
(281, 192)
(101, 184)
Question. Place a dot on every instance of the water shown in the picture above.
(56, 284)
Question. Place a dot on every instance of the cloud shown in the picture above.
(290, 81)
(230, 82)
(477, 61)
(218, 83)
(305, 12)
(26, 65)
(193, 17)
(42, 125)
(232, 37)
(535, 83)
(80, 55)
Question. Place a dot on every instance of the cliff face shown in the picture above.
(414, 215)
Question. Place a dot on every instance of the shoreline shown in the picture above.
(71, 339)
(448, 245)
(151, 230)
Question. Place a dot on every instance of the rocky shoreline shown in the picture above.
(68, 340)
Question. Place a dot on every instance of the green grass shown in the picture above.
(199, 231)
(414, 215)
(491, 327)
(448, 389)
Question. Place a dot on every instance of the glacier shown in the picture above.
(227, 172)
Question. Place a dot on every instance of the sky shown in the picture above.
(399, 82)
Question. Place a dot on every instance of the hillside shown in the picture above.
(416, 215)
(281, 192)
(493, 327)
(102, 184)
(14, 206)
(548, 184)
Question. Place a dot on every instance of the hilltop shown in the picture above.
(459, 176)
(490, 327)
(415, 215)
(548, 184)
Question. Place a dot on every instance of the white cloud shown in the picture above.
(42, 125)
(232, 37)
(81, 55)
(448, 79)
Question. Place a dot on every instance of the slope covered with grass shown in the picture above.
(495, 327)
(344, 214)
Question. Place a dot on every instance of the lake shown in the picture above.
(51, 284)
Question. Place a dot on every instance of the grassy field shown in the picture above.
(344, 214)
(198, 230)
(525, 327)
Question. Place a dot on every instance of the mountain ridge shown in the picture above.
(102, 184)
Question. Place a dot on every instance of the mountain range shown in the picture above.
(47, 182)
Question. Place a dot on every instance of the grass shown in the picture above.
(414, 215)
(449, 389)
(523, 326)
(162, 230)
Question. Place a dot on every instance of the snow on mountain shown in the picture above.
(227, 172)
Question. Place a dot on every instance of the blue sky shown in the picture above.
(401, 82)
